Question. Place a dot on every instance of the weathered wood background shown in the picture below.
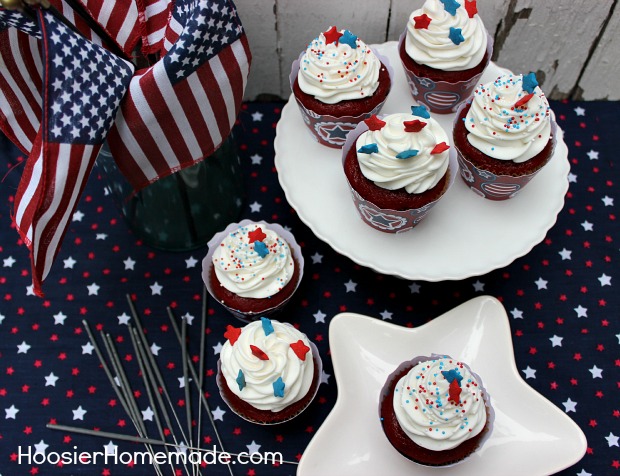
(573, 45)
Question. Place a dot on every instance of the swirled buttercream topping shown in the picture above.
(338, 66)
(446, 35)
(403, 151)
(253, 262)
(439, 404)
(509, 118)
(267, 364)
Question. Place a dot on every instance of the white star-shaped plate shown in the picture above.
(531, 436)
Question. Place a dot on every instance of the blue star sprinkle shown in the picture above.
(450, 6)
(261, 249)
(240, 380)
(420, 111)
(278, 388)
(405, 154)
(368, 149)
(349, 38)
(451, 375)
(456, 35)
(267, 325)
(529, 82)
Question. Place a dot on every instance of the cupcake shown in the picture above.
(252, 269)
(504, 136)
(337, 82)
(268, 371)
(397, 167)
(444, 50)
(435, 411)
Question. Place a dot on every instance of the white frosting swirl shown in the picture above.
(334, 72)
(260, 375)
(433, 47)
(415, 174)
(425, 411)
(499, 129)
(241, 269)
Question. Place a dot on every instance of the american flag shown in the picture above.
(82, 90)
(182, 108)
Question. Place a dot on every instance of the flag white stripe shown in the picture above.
(225, 89)
(242, 60)
(33, 184)
(60, 186)
(207, 110)
(25, 75)
(180, 117)
(156, 8)
(19, 133)
(133, 146)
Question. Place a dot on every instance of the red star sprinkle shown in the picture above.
(439, 148)
(455, 392)
(332, 35)
(300, 349)
(414, 126)
(374, 123)
(232, 334)
(258, 353)
(256, 235)
(471, 7)
(524, 100)
(422, 21)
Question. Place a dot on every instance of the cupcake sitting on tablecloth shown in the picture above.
(444, 51)
(337, 82)
(268, 371)
(504, 136)
(435, 411)
(253, 268)
(398, 166)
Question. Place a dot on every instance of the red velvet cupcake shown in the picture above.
(444, 51)
(504, 136)
(268, 371)
(435, 411)
(337, 82)
(253, 269)
(398, 167)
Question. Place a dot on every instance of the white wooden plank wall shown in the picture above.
(573, 45)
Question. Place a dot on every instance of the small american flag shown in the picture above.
(83, 87)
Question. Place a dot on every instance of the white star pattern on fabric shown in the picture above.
(587, 226)
(565, 254)
(593, 154)
(8, 262)
(570, 406)
(182, 381)
(478, 286)
(101, 236)
(596, 372)
(218, 414)
(386, 315)
(325, 377)
(23, 348)
(253, 447)
(59, 319)
(583, 472)
(2, 317)
(69, 262)
(319, 317)
(541, 283)
(316, 258)
(110, 448)
(50, 380)
(257, 116)
(147, 415)
(608, 201)
(129, 263)
(516, 313)
(414, 288)
(40, 447)
(187, 317)
(580, 111)
(581, 311)
(604, 280)
(123, 319)
(156, 289)
(93, 289)
(78, 413)
(88, 348)
(217, 348)
(10, 412)
(612, 440)
(556, 341)
(529, 372)
(572, 178)
(350, 286)
(190, 262)
(77, 216)
(256, 159)
(30, 290)
(255, 207)
(155, 349)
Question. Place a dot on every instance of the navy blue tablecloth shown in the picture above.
(561, 300)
